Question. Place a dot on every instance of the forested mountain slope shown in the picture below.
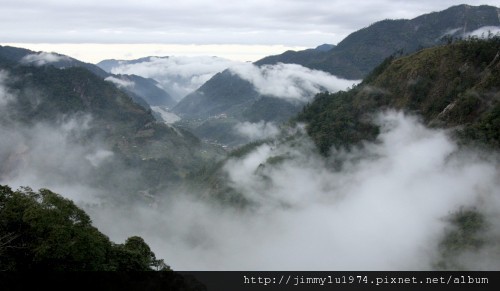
(91, 112)
(452, 86)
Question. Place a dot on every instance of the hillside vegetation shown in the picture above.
(452, 86)
(101, 114)
(44, 231)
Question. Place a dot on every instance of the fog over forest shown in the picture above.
(381, 206)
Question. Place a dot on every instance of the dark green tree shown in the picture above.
(44, 231)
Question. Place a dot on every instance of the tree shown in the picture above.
(44, 231)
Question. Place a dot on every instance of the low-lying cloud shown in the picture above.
(385, 209)
(178, 75)
(49, 156)
(120, 82)
(257, 131)
(5, 93)
(290, 81)
(43, 58)
(485, 31)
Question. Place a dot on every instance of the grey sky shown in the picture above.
(289, 23)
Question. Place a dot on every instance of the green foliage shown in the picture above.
(245, 149)
(465, 235)
(158, 155)
(271, 109)
(334, 120)
(449, 86)
(44, 231)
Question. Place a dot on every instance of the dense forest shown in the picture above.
(451, 86)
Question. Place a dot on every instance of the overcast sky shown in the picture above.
(156, 25)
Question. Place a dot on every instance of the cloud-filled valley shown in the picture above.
(290, 81)
(178, 75)
(386, 209)
(321, 159)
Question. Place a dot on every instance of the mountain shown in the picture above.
(212, 111)
(109, 65)
(177, 75)
(27, 57)
(143, 91)
(44, 231)
(356, 55)
(453, 86)
(305, 57)
(87, 110)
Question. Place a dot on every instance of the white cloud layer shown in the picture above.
(121, 83)
(384, 210)
(5, 94)
(290, 81)
(179, 76)
(485, 31)
(257, 131)
(43, 58)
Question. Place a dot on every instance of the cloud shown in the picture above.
(98, 157)
(179, 76)
(167, 116)
(290, 81)
(5, 93)
(485, 31)
(257, 131)
(121, 83)
(201, 21)
(385, 209)
(48, 156)
(43, 58)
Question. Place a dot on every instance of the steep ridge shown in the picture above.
(144, 91)
(228, 94)
(360, 52)
(452, 86)
(73, 100)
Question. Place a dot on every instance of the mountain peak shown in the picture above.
(325, 47)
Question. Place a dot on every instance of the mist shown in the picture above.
(290, 81)
(63, 155)
(484, 32)
(48, 156)
(5, 94)
(257, 131)
(43, 58)
(121, 83)
(178, 75)
(385, 209)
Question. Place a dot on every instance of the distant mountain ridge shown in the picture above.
(110, 64)
(356, 55)
(353, 58)
(144, 91)
(453, 86)
(159, 153)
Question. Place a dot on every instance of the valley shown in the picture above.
(377, 153)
